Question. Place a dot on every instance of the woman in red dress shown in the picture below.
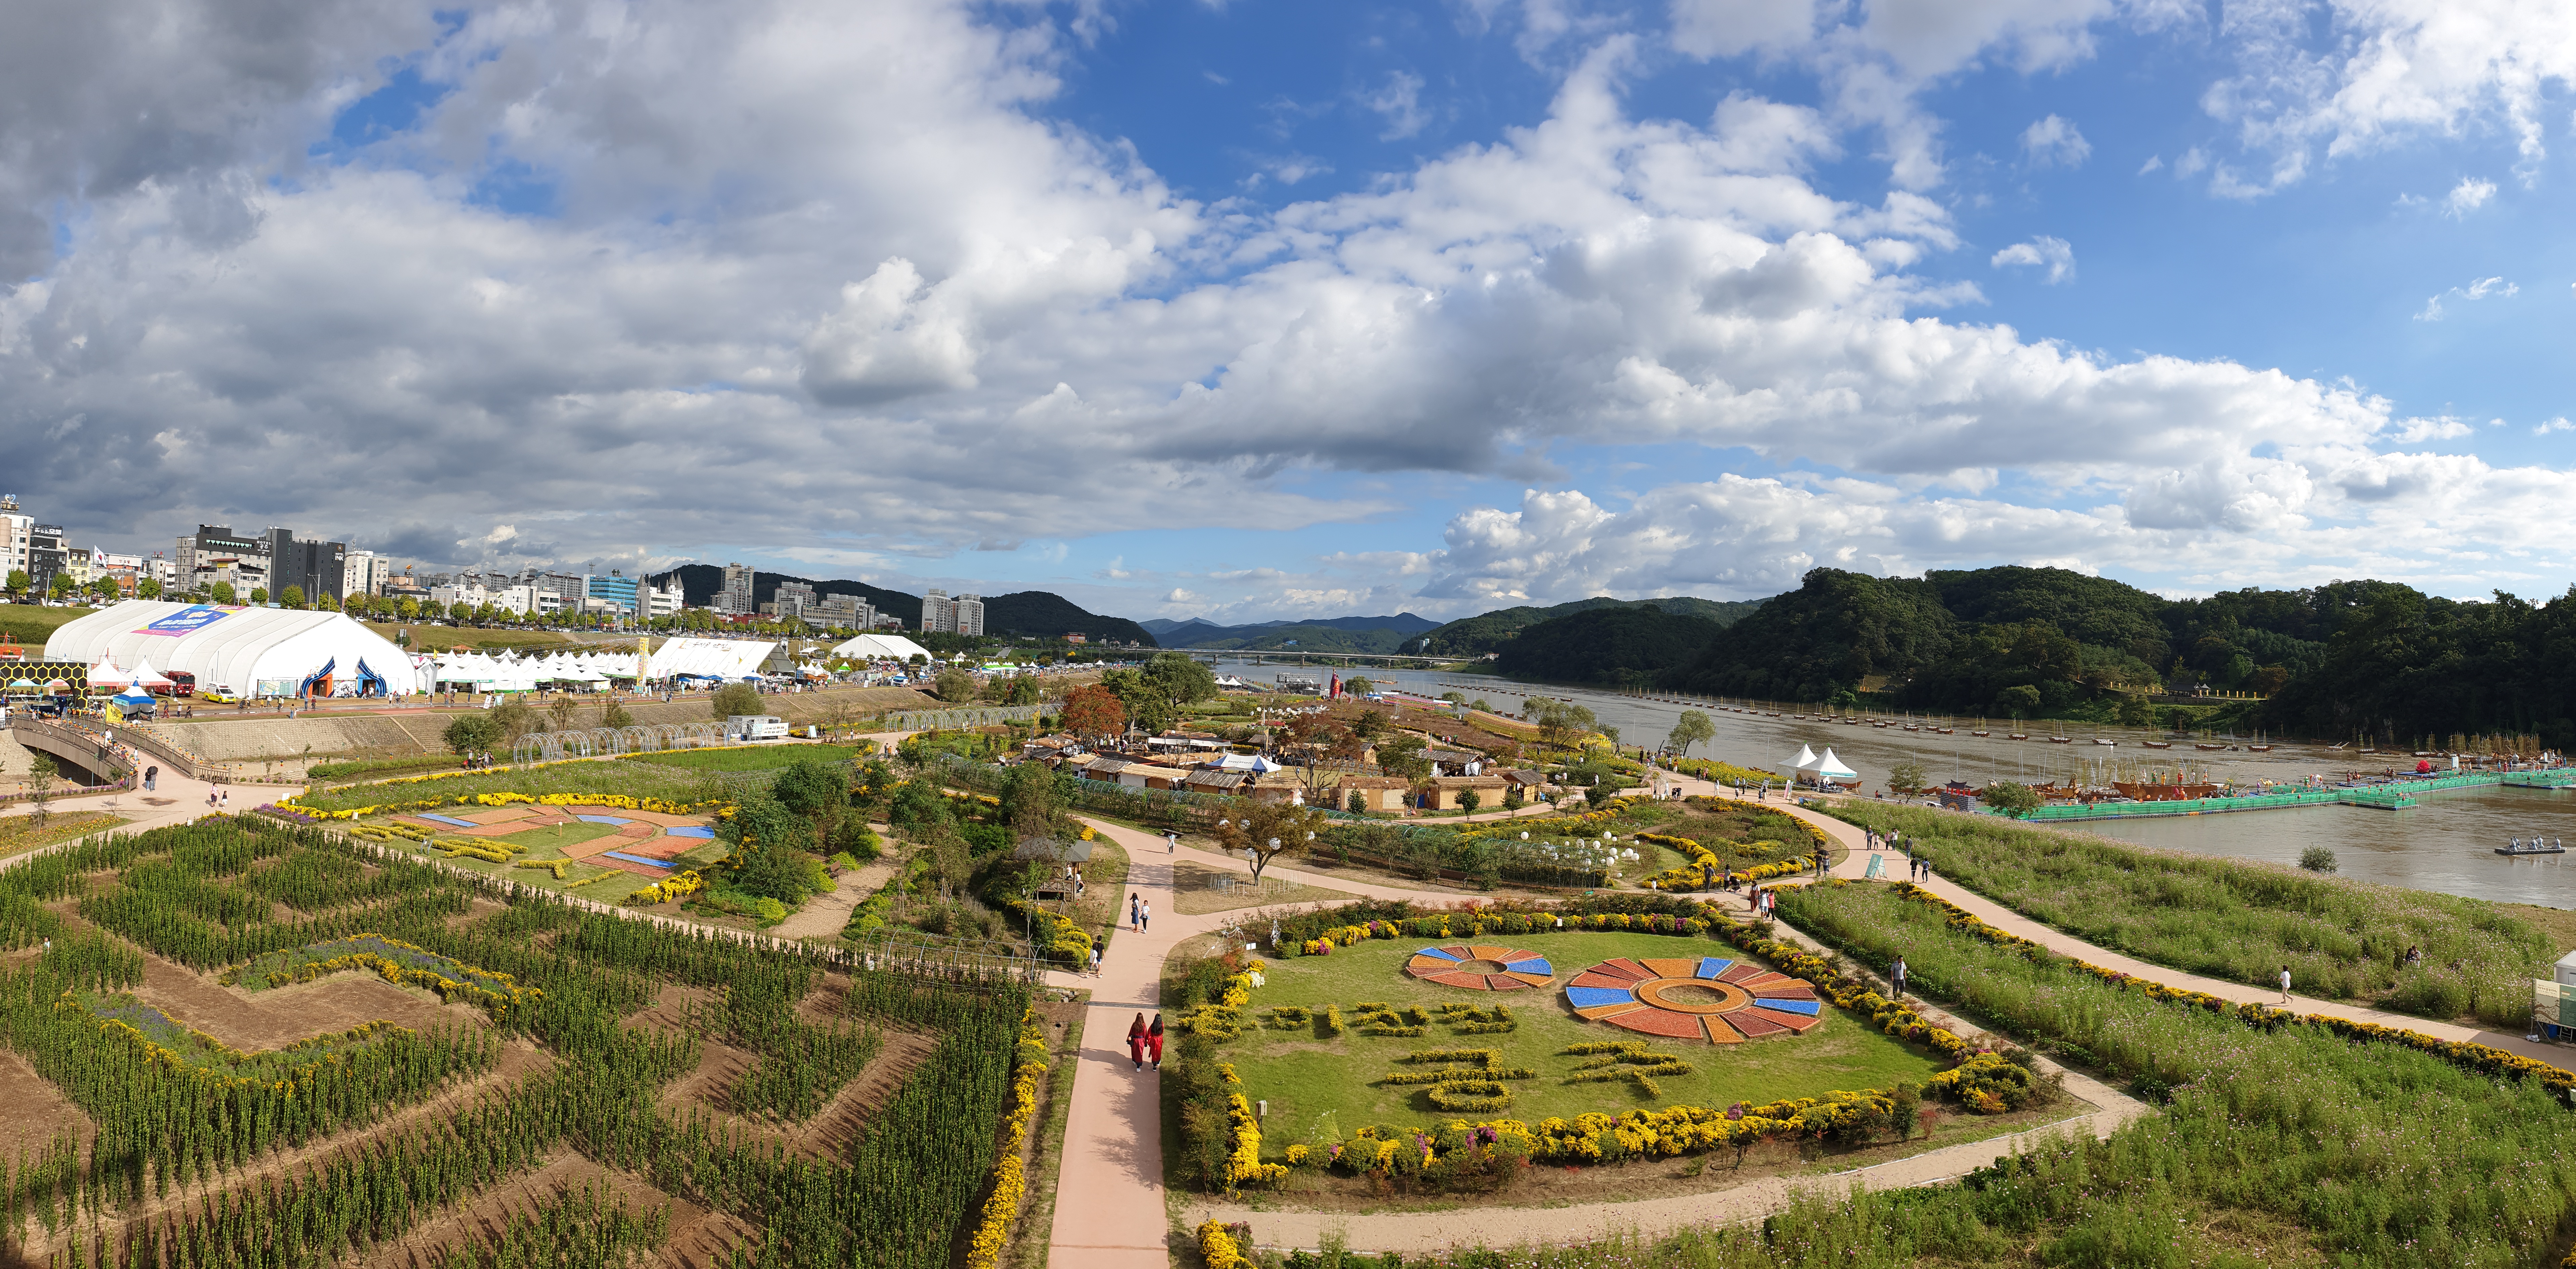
(1154, 1040)
(1136, 1042)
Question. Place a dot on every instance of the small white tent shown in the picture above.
(877, 647)
(1828, 769)
(1806, 758)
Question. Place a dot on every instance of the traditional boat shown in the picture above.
(2159, 744)
(2536, 846)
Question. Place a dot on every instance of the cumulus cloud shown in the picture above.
(2052, 254)
(2478, 290)
(1399, 102)
(2467, 196)
(2055, 142)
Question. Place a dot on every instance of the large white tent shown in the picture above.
(877, 647)
(262, 651)
(1826, 769)
(695, 658)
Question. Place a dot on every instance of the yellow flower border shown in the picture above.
(1010, 1181)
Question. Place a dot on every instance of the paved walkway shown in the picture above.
(175, 800)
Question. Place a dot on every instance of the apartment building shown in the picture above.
(943, 615)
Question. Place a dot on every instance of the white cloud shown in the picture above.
(2054, 254)
(1399, 102)
(2055, 142)
(2191, 164)
(1726, 28)
(2478, 290)
(2154, 161)
(2467, 196)
(2559, 424)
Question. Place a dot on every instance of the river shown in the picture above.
(2445, 843)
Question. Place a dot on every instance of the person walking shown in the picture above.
(1095, 960)
(1145, 917)
(1132, 900)
(1171, 842)
(2285, 984)
(1896, 976)
(1136, 1042)
(1154, 1041)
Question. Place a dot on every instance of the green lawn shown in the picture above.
(629, 778)
(589, 881)
(29, 625)
(1303, 1077)
(759, 759)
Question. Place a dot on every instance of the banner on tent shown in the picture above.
(187, 621)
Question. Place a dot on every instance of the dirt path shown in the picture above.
(823, 915)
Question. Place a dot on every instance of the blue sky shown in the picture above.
(1259, 310)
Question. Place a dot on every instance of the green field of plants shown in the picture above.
(183, 1122)
(627, 778)
(2240, 920)
(754, 758)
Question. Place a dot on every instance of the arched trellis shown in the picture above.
(604, 741)
(601, 742)
(638, 739)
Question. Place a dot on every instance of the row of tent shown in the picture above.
(712, 660)
(1824, 769)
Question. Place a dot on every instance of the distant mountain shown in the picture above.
(1627, 644)
(1323, 634)
(1476, 636)
(1028, 612)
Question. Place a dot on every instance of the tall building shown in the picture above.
(790, 602)
(736, 597)
(943, 615)
(316, 568)
(850, 611)
(613, 593)
(665, 603)
(47, 554)
(366, 574)
(15, 530)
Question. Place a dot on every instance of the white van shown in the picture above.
(755, 727)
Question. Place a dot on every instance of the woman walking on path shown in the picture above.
(1132, 899)
(1136, 1042)
(2285, 984)
(1154, 1041)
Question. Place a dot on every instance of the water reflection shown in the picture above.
(2445, 844)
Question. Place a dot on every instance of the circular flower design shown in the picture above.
(1695, 998)
(1481, 967)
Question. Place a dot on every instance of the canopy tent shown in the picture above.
(1806, 758)
(252, 650)
(1827, 769)
(147, 678)
(877, 647)
(1245, 762)
(105, 674)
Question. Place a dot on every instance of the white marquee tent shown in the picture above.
(262, 651)
(877, 647)
(701, 658)
(1827, 769)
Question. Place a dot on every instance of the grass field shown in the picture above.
(28, 625)
(2240, 920)
(1304, 1077)
(748, 759)
(441, 638)
(632, 779)
(554, 839)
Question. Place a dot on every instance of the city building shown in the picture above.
(789, 602)
(665, 603)
(736, 597)
(15, 532)
(47, 554)
(125, 570)
(520, 599)
(943, 615)
(366, 574)
(615, 593)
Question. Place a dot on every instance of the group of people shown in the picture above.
(1145, 1042)
(1140, 913)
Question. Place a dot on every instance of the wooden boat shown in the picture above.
(2018, 736)
(2061, 740)
(2259, 748)
(2099, 741)
(2158, 744)
(1982, 732)
(2203, 744)
(2147, 792)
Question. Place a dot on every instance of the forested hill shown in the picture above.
(1489, 632)
(1028, 612)
(1622, 644)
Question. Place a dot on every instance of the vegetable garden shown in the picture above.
(554, 1043)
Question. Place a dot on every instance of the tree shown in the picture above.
(2015, 800)
(515, 719)
(41, 773)
(918, 808)
(1359, 803)
(1357, 686)
(955, 686)
(1561, 724)
(1906, 777)
(459, 613)
(471, 733)
(1031, 802)
(221, 592)
(1469, 800)
(765, 861)
(19, 581)
(614, 715)
(1268, 830)
(1094, 710)
(259, 594)
(1021, 690)
(292, 597)
(815, 789)
(1693, 728)
(2018, 700)
(148, 588)
(407, 610)
(733, 699)
(560, 711)
(2135, 712)
(1402, 756)
(62, 586)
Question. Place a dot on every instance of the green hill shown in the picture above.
(1489, 632)
(1621, 644)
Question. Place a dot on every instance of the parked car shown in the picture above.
(220, 695)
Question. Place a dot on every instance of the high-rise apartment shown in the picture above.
(736, 597)
(943, 615)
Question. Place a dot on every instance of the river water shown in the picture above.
(2445, 843)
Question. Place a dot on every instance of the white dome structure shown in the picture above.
(256, 651)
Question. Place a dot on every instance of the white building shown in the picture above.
(520, 599)
(365, 573)
(17, 533)
(664, 603)
(736, 597)
(942, 615)
(471, 596)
